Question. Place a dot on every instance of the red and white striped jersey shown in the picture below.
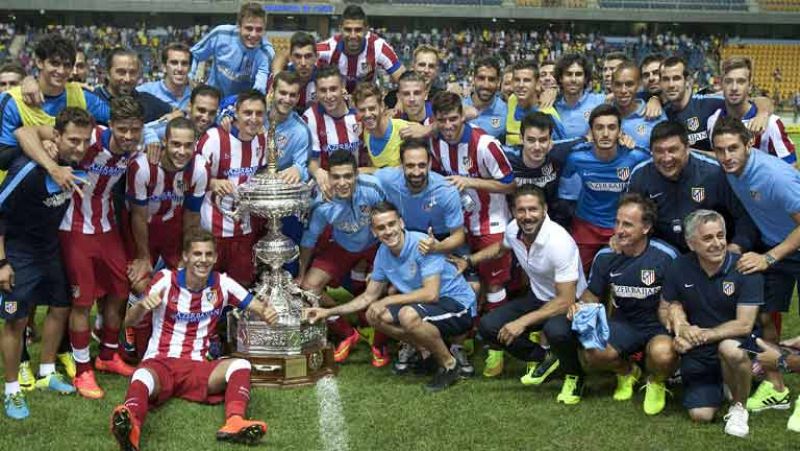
(183, 320)
(478, 155)
(773, 140)
(94, 212)
(166, 193)
(234, 160)
(362, 67)
(329, 134)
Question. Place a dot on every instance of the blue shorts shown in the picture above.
(628, 338)
(701, 374)
(37, 281)
(449, 316)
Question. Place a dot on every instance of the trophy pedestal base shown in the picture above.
(290, 371)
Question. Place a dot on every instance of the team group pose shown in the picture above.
(643, 230)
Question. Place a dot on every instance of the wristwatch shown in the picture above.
(783, 365)
(468, 258)
(770, 259)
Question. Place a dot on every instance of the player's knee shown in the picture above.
(702, 415)
(409, 318)
(16, 326)
(730, 351)
(487, 327)
(661, 351)
(146, 377)
(600, 357)
(558, 331)
(236, 365)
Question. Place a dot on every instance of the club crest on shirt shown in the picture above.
(364, 65)
(179, 184)
(495, 122)
(728, 288)
(586, 114)
(10, 307)
(211, 297)
(428, 206)
(281, 141)
(755, 195)
(698, 194)
(76, 291)
(648, 276)
(365, 209)
(623, 173)
(547, 169)
(466, 163)
(693, 123)
(641, 129)
(354, 127)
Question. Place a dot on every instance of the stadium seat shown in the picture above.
(779, 5)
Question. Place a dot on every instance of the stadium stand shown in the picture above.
(779, 5)
(725, 5)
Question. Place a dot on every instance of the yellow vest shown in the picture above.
(513, 126)
(37, 116)
(390, 154)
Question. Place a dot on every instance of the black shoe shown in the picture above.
(458, 351)
(425, 367)
(444, 378)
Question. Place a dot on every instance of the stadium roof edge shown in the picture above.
(393, 10)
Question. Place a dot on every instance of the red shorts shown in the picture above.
(491, 272)
(96, 266)
(235, 257)
(590, 239)
(184, 378)
(336, 261)
(165, 241)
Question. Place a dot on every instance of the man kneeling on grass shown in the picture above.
(433, 302)
(186, 304)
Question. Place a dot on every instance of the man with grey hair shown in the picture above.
(713, 309)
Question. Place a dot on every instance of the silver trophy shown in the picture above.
(290, 352)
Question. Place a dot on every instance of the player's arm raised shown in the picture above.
(147, 304)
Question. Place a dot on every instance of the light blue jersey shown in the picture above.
(408, 270)
(575, 118)
(293, 140)
(638, 127)
(769, 189)
(349, 218)
(437, 206)
(236, 68)
(159, 89)
(491, 119)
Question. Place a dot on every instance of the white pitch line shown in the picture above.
(332, 429)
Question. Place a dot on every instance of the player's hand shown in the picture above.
(51, 148)
(375, 311)
(460, 262)
(626, 140)
(460, 182)
(653, 109)
(7, 278)
(681, 345)
(226, 123)
(31, 94)
(152, 300)
(315, 314)
(415, 131)
(510, 332)
(154, 152)
(138, 269)
(290, 175)
(470, 113)
(221, 187)
(769, 357)
(735, 248)
(321, 176)
(752, 262)
(693, 335)
(613, 244)
(268, 314)
(547, 98)
(67, 180)
(573, 309)
(792, 343)
(758, 124)
(171, 115)
(429, 244)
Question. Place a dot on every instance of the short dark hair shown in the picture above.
(328, 71)
(568, 60)
(651, 58)
(206, 90)
(197, 235)
(647, 206)
(446, 101)
(383, 207)
(738, 62)
(302, 39)
(605, 110)
(538, 120)
(341, 158)
(290, 78)
(529, 189)
(121, 51)
(672, 61)
(250, 94)
(669, 129)
(728, 125)
(75, 116)
(181, 123)
(251, 9)
(626, 65)
(410, 75)
(175, 47)
(527, 65)
(14, 68)
(490, 62)
(611, 56)
(126, 107)
(55, 47)
(354, 12)
(411, 144)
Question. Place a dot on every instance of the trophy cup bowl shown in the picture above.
(290, 352)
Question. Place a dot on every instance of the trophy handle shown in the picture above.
(235, 213)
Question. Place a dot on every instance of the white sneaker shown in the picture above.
(736, 421)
